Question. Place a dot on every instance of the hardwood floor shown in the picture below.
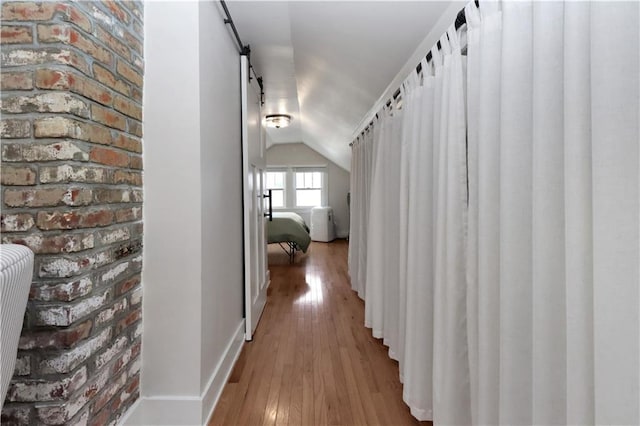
(312, 361)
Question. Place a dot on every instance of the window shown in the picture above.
(308, 189)
(297, 188)
(276, 182)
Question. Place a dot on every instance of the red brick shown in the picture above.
(18, 80)
(15, 34)
(131, 392)
(53, 244)
(114, 272)
(133, 7)
(61, 292)
(89, 89)
(137, 62)
(127, 249)
(63, 127)
(124, 359)
(18, 175)
(23, 365)
(129, 73)
(72, 173)
(65, 33)
(67, 361)
(135, 127)
(12, 151)
(16, 222)
(109, 393)
(117, 11)
(128, 143)
(130, 178)
(70, 266)
(64, 413)
(127, 321)
(45, 390)
(56, 339)
(52, 79)
(109, 157)
(101, 418)
(137, 229)
(138, 28)
(135, 298)
(114, 195)
(108, 117)
(57, 127)
(47, 197)
(75, 16)
(127, 285)
(111, 312)
(15, 129)
(105, 77)
(114, 235)
(49, 56)
(14, 414)
(136, 162)
(129, 214)
(29, 11)
(53, 102)
(65, 315)
(112, 351)
(73, 298)
(113, 43)
(53, 33)
(63, 150)
(133, 42)
(136, 95)
(127, 107)
(88, 46)
(74, 219)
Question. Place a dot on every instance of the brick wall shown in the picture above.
(72, 191)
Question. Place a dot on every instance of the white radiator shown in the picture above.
(16, 269)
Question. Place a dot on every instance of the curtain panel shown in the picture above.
(496, 212)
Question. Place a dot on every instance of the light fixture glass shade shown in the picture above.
(277, 120)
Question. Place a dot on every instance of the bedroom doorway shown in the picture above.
(256, 276)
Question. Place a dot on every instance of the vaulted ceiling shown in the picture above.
(327, 62)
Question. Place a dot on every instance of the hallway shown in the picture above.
(312, 361)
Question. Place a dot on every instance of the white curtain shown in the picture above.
(498, 227)
(553, 253)
(359, 212)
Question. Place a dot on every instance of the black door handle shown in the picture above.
(269, 196)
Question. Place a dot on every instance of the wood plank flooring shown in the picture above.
(312, 361)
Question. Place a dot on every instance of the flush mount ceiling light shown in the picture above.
(277, 120)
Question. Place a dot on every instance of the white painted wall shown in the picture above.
(221, 192)
(299, 154)
(192, 275)
(172, 205)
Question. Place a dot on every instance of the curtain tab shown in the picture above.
(472, 15)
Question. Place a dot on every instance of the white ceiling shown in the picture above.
(327, 63)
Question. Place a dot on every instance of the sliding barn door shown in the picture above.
(253, 169)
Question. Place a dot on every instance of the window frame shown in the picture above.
(322, 187)
(285, 185)
(290, 193)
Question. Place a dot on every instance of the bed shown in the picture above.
(289, 231)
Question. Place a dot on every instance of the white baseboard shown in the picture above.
(187, 410)
(219, 378)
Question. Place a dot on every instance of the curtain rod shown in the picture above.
(461, 19)
(244, 50)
